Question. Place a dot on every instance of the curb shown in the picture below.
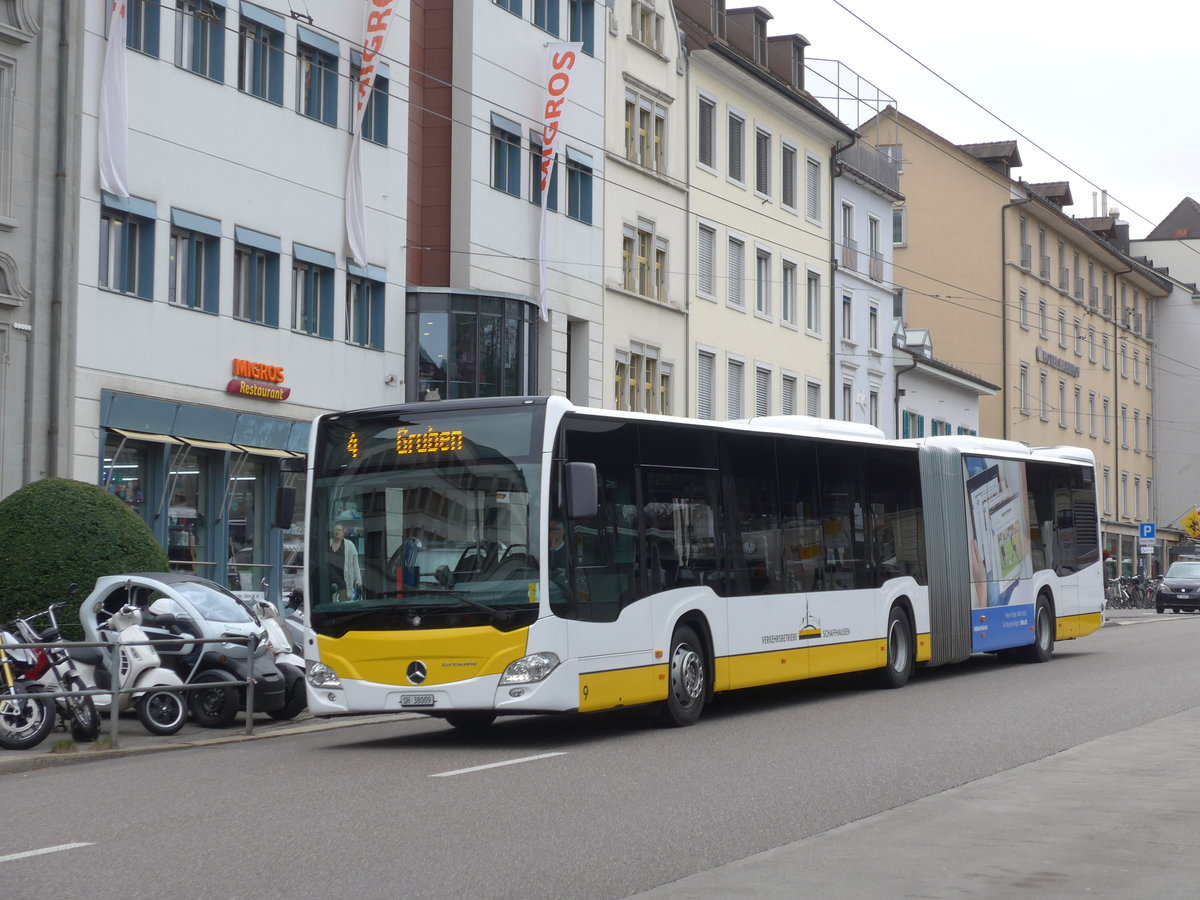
(29, 761)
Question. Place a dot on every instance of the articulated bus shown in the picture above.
(523, 555)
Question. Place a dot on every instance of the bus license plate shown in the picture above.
(410, 700)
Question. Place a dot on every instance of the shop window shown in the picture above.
(126, 471)
(248, 516)
(188, 513)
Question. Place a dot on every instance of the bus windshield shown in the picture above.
(425, 517)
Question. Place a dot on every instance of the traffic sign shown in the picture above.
(1146, 531)
(1191, 523)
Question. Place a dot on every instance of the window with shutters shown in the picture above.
(762, 391)
(706, 370)
(787, 184)
(813, 399)
(812, 188)
(734, 389)
(737, 148)
(706, 132)
(762, 162)
(706, 248)
(787, 395)
(787, 300)
(736, 277)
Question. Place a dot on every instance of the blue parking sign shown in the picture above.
(1146, 531)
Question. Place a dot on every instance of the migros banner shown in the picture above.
(255, 379)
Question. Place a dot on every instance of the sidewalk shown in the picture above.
(133, 738)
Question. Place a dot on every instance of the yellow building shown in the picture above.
(1050, 307)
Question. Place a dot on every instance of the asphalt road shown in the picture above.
(590, 807)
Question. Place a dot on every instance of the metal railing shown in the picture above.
(114, 667)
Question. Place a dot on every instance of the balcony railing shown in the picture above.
(849, 254)
(1079, 288)
(1026, 256)
(1064, 279)
(876, 266)
(872, 162)
(1044, 267)
(1093, 297)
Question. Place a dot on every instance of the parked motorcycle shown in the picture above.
(143, 683)
(25, 719)
(287, 660)
(55, 669)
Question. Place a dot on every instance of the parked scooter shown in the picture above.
(143, 683)
(55, 669)
(25, 719)
(287, 660)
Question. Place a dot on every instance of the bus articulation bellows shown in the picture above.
(522, 555)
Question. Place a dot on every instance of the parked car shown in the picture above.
(1179, 590)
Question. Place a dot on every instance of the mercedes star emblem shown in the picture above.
(416, 672)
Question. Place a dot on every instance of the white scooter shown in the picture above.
(287, 660)
(144, 684)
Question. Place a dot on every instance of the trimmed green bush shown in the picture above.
(57, 532)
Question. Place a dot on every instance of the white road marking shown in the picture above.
(13, 856)
(496, 765)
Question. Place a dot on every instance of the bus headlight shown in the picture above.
(320, 675)
(527, 670)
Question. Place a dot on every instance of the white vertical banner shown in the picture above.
(113, 144)
(375, 34)
(561, 59)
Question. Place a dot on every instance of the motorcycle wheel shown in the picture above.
(214, 707)
(85, 721)
(297, 699)
(162, 712)
(25, 722)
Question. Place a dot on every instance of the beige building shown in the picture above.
(761, 155)
(1047, 306)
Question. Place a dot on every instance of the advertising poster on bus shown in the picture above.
(1000, 552)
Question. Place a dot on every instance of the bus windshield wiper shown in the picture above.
(498, 616)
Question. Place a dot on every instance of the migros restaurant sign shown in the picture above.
(255, 379)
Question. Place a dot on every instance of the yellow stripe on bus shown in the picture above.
(452, 654)
(777, 666)
(622, 687)
(1077, 626)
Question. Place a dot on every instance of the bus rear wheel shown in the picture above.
(688, 680)
(1043, 633)
(899, 665)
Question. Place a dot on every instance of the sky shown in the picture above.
(1094, 93)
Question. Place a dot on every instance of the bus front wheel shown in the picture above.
(899, 665)
(688, 680)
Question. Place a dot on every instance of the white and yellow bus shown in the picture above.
(523, 555)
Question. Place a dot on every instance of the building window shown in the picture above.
(644, 257)
(1107, 491)
(1077, 326)
(1137, 431)
(1062, 403)
(706, 369)
(912, 425)
(639, 385)
(312, 291)
(1104, 352)
(787, 395)
(847, 401)
(762, 391)
(1044, 396)
(762, 162)
(317, 80)
(646, 26)
(899, 235)
(812, 304)
(734, 389)
(513, 6)
(364, 307)
(127, 247)
(787, 302)
(1043, 329)
(1137, 367)
(260, 57)
(812, 402)
(141, 26)
(1125, 425)
(873, 328)
(1092, 413)
(579, 186)
(256, 278)
(1124, 360)
(812, 187)
(1023, 309)
(736, 266)
(706, 132)
(506, 156)
(645, 131)
(1062, 329)
(762, 283)
(737, 148)
(545, 15)
(1023, 389)
(582, 25)
(1149, 437)
(1107, 416)
(873, 410)
(375, 117)
(706, 246)
(1079, 410)
(200, 37)
(194, 262)
(1091, 343)
(787, 192)
(847, 318)
(535, 175)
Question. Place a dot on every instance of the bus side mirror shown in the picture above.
(582, 494)
(285, 507)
